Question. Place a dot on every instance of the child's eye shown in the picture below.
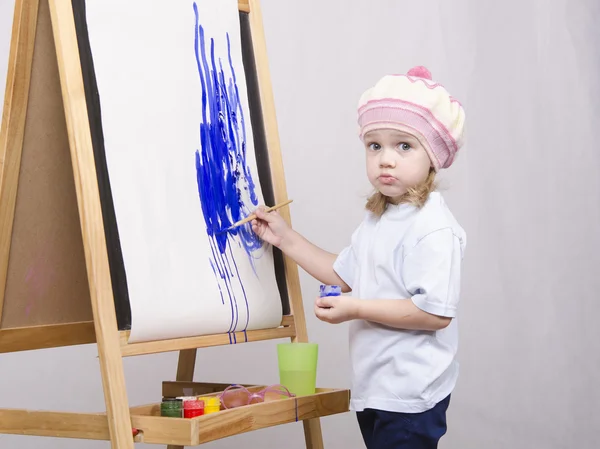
(374, 146)
(404, 146)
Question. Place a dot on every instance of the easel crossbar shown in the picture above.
(287, 330)
(81, 333)
(46, 336)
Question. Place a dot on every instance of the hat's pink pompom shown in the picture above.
(420, 72)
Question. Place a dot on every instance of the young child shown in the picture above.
(403, 265)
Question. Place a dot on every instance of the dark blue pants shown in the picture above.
(392, 430)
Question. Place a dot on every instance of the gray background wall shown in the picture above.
(525, 188)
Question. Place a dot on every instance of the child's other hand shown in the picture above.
(336, 309)
(270, 226)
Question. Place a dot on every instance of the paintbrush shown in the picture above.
(253, 216)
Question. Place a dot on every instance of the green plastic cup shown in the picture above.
(298, 367)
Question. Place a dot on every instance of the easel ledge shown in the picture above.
(81, 333)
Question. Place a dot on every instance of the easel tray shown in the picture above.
(155, 429)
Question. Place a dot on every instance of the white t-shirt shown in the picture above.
(408, 253)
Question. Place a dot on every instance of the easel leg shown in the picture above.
(186, 364)
(115, 393)
(312, 427)
(82, 157)
(312, 434)
(185, 372)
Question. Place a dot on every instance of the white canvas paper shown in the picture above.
(177, 132)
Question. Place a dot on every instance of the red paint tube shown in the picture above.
(193, 408)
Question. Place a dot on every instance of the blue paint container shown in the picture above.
(330, 290)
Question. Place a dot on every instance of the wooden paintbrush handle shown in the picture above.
(253, 216)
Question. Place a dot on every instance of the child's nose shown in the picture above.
(386, 158)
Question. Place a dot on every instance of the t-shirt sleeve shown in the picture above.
(346, 261)
(431, 272)
(344, 265)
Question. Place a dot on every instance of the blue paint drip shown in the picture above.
(223, 175)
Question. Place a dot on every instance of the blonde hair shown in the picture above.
(417, 196)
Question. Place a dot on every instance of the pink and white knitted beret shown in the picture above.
(415, 104)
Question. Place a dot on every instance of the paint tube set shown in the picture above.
(189, 406)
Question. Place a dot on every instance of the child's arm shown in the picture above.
(398, 313)
(431, 272)
(272, 228)
(401, 314)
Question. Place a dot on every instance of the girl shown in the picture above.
(402, 265)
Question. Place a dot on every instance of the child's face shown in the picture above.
(396, 161)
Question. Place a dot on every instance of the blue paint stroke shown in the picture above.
(222, 172)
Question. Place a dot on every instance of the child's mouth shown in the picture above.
(387, 179)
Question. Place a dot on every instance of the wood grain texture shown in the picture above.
(259, 416)
(244, 5)
(89, 426)
(176, 431)
(186, 364)
(88, 200)
(54, 424)
(188, 388)
(13, 123)
(47, 336)
(240, 420)
(275, 158)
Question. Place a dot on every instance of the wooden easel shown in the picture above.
(51, 226)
